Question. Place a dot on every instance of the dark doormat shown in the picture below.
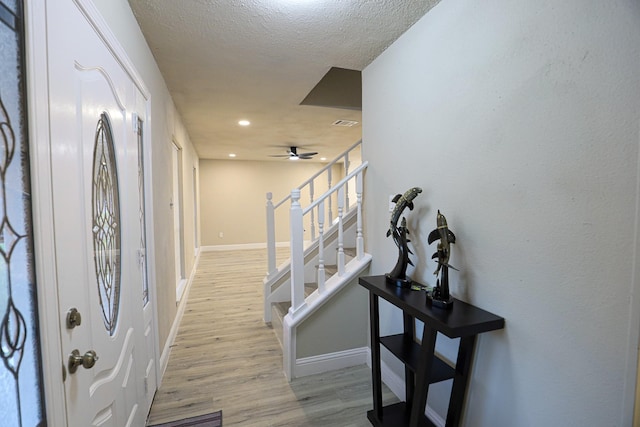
(213, 419)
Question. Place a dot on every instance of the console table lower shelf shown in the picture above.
(422, 366)
(396, 415)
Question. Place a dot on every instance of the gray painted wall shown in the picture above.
(338, 325)
(520, 121)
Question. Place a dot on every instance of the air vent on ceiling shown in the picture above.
(346, 123)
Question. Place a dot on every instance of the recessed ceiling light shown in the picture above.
(244, 122)
(232, 155)
(323, 158)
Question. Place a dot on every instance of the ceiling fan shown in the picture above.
(292, 154)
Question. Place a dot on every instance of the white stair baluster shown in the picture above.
(359, 235)
(321, 273)
(297, 254)
(329, 187)
(346, 185)
(313, 225)
(340, 231)
(271, 237)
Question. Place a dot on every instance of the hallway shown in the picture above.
(225, 357)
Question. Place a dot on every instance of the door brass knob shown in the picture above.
(86, 361)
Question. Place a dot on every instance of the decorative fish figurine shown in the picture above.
(402, 202)
(401, 240)
(399, 273)
(446, 237)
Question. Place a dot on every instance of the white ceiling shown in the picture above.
(226, 60)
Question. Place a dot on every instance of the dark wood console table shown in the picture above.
(422, 367)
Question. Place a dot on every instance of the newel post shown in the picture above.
(271, 236)
(297, 253)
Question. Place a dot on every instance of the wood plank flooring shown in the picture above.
(225, 357)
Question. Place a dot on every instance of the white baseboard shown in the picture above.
(330, 362)
(166, 351)
(397, 386)
(241, 246)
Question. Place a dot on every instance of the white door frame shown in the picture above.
(178, 217)
(42, 199)
(42, 211)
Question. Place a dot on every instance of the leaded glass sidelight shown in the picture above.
(143, 233)
(106, 223)
(21, 399)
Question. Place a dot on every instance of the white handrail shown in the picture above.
(338, 185)
(271, 207)
(344, 154)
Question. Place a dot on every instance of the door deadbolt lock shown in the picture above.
(86, 361)
(73, 318)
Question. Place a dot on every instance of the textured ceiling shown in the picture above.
(226, 60)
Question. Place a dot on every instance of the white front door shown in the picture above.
(94, 107)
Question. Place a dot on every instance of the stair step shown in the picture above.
(280, 309)
(330, 270)
(350, 252)
(309, 288)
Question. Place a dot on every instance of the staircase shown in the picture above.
(312, 301)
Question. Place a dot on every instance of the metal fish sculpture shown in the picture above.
(401, 240)
(446, 237)
(402, 202)
(399, 273)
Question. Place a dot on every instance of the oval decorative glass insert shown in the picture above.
(106, 223)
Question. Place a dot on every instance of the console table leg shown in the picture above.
(409, 379)
(375, 355)
(422, 375)
(461, 379)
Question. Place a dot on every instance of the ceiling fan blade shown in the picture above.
(280, 155)
(308, 154)
(304, 157)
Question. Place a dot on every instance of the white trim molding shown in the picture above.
(42, 211)
(182, 303)
(241, 246)
(330, 362)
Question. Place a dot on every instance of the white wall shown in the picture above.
(233, 197)
(520, 121)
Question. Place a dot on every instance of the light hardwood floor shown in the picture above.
(226, 358)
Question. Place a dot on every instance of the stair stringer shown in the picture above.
(277, 287)
(293, 367)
